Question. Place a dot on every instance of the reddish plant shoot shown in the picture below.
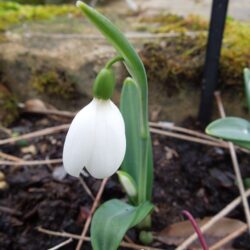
(196, 229)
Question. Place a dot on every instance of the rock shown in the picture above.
(60, 74)
(2, 176)
(34, 104)
(59, 173)
(3, 185)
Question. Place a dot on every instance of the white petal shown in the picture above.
(95, 140)
(109, 143)
(78, 142)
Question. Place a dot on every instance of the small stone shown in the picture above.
(59, 173)
(2, 176)
(34, 104)
(3, 185)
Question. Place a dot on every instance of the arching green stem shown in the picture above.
(113, 61)
(131, 59)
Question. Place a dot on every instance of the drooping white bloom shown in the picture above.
(95, 140)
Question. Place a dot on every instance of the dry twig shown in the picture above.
(41, 132)
(62, 244)
(94, 206)
(212, 221)
(31, 163)
(5, 130)
(188, 138)
(10, 157)
(78, 237)
(235, 165)
(173, 127)
(228, 238)
(86, 188)
(69, 114)
(52, 112)
(195, 136)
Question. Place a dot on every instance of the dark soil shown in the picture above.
(187, 176)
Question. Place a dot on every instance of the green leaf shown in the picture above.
(233, 129)
(128, 184)
(243, 144)
(150, 172)
(130, 107)
(246, 73)
(112, 220)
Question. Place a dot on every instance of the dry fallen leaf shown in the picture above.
(175, 234)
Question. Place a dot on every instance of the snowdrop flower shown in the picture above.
(96, 137)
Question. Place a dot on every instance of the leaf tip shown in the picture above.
(207, 131)
(83, 6)
(129, 80)
(79, 4)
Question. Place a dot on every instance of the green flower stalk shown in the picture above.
(108, 133)
(138, 163)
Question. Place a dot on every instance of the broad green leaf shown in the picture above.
(128, 184)
(246, 73)
(112, 220)
(233, 129)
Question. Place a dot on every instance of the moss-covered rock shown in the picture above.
(235, 52)
(13, 13)
(175, 63)
(35, 2)
(164, 23)
(181, 58)
(53, 83)
(8, 106)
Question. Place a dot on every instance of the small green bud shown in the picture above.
(145, 223)
(146, 237)
(104, 84)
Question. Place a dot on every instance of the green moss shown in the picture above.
(235, 52)
(8, 107)
(182, 58)
(169, 22)
(14, 14)
(175, 62)
(53, 83)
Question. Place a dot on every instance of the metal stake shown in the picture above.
(209, 81)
